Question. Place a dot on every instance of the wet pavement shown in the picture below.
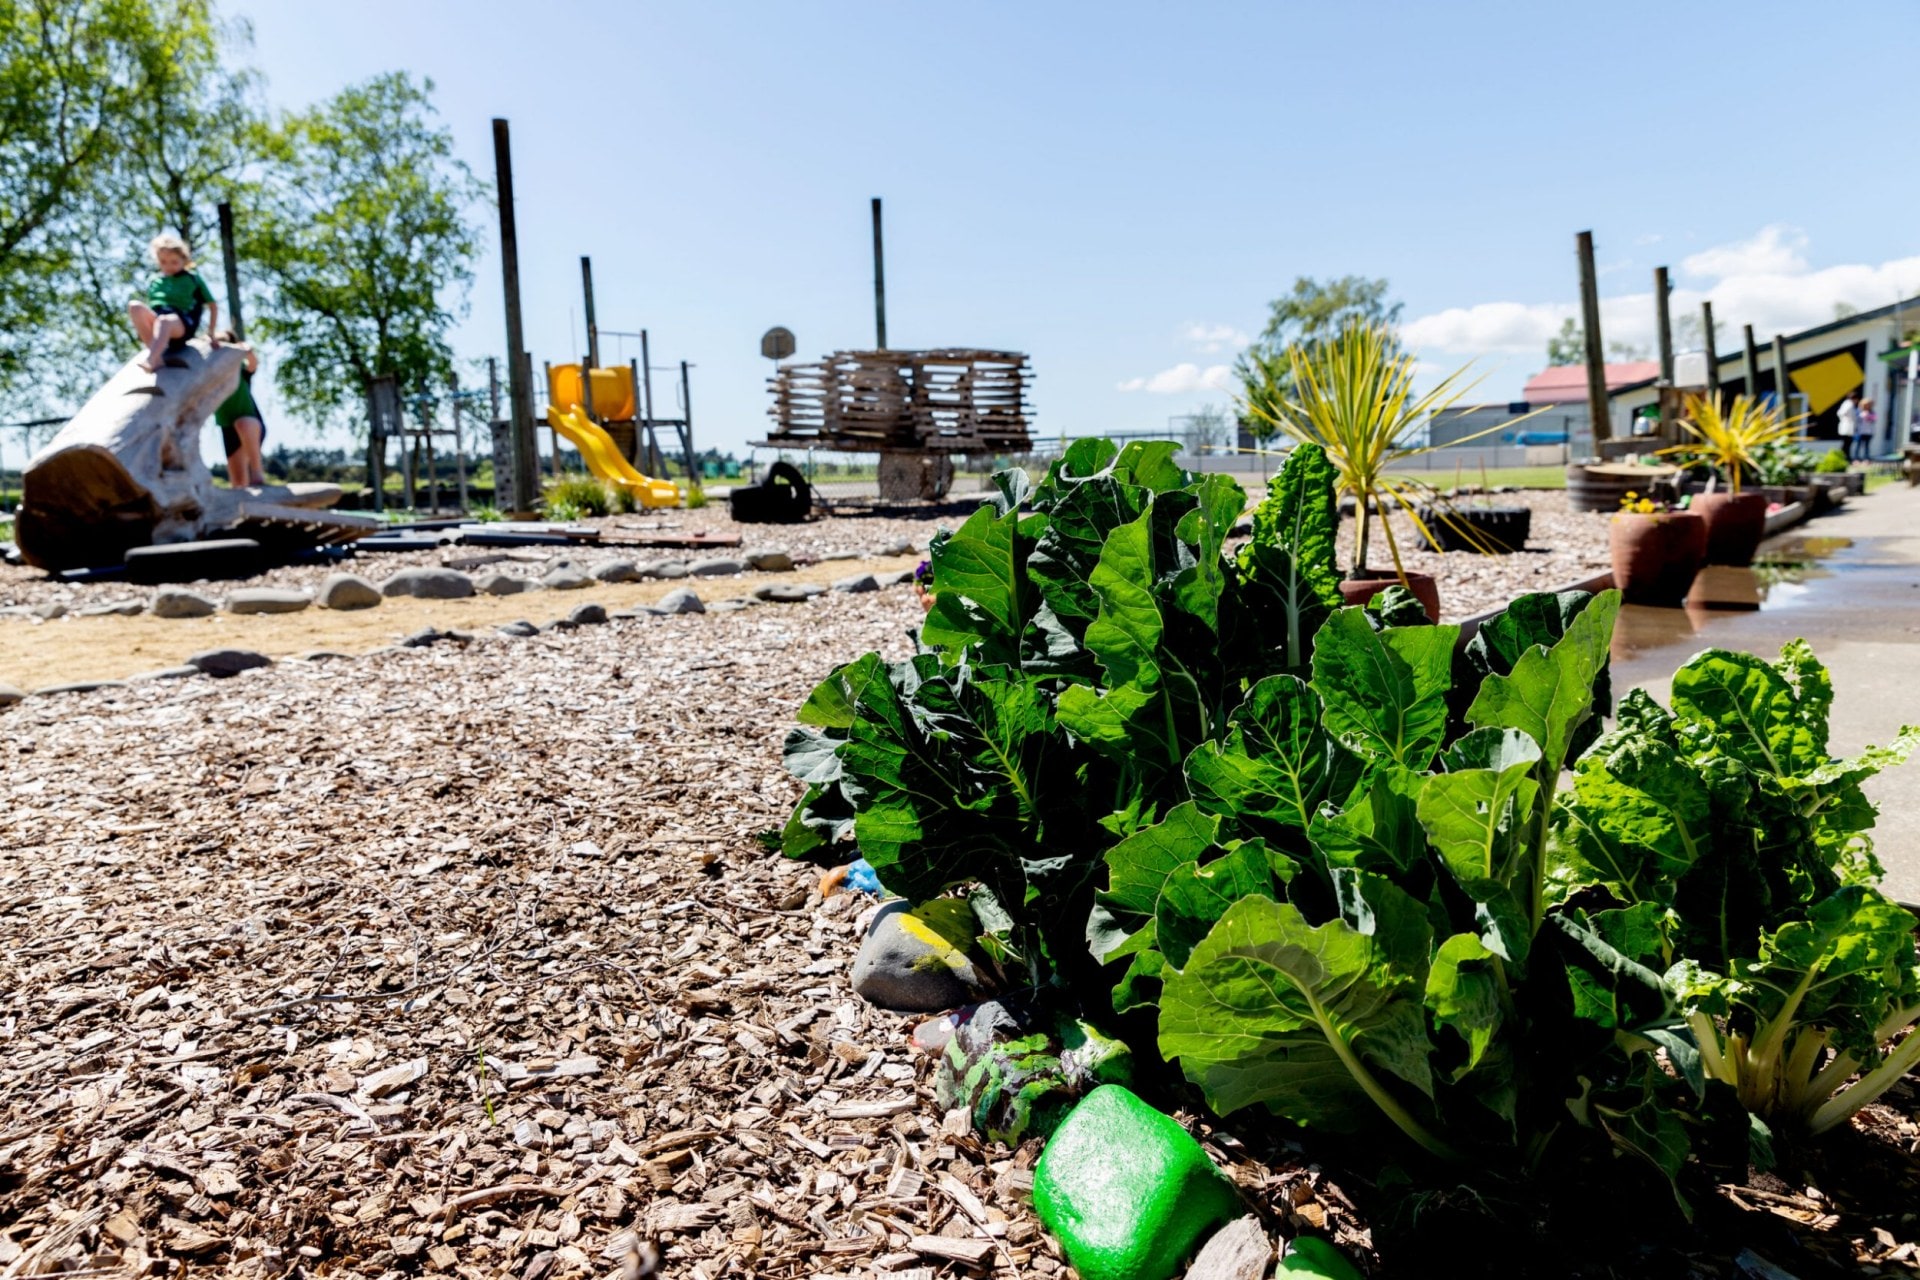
(1847, 583)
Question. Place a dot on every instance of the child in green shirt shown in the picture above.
(241, 427)
(171, 310)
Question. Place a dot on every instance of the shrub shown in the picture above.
(582, 494)
(1831, 462)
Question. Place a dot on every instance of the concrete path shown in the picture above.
(1857, 602)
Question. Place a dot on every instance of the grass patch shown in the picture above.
(583, 495)
(1878, 480)
(1547, 477)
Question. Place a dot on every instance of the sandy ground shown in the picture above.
(34, 654)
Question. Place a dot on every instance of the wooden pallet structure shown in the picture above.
(951, 400)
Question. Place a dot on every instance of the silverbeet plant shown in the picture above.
(1358, 874)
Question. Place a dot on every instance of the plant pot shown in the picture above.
(1369, 583)
(1491, 530)
(1655, 557)
(1735, 524)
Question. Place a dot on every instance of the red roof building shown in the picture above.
(1567, 383)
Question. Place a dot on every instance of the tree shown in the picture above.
(69, 70)
(1315, 311)
(1569, 346)
(1208, 428)
(365, 245)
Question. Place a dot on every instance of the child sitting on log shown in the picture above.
(171, 310)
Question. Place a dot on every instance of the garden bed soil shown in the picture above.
(470, 961)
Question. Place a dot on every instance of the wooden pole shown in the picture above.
(1782, 386)
(879, 282)
(526, 450)
(1597, 408)
(433, 472)
(686, 434)
(1663, 316)
(593, 330)
(231, 262)
(1753, 364)
(459, 449)
(553, 437)
(639, 431)
(1713, 354)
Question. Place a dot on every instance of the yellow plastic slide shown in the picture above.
(603, 458)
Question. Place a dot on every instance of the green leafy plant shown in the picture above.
(485, 514)
(1730, 437)
(1784, 462)
(1832, 462)
(581, 494)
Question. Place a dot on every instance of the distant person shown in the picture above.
(1847, 419)
(175, 298)
(241, 427)
(1869, 428)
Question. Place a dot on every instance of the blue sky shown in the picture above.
(1119, 189)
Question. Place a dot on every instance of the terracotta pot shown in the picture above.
(1371, 582)
(1735, 524)
(1656, 556)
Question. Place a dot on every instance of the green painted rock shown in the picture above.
(1312, 1256)
(1126, 1190)
(1018, 1070)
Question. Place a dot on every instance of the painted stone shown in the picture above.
(1017, 1068)
(1128, 1191)
(916, 961)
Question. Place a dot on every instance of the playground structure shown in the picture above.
(126, 472)
(604, 460)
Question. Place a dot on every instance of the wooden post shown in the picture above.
(639, 431)
(409, 449)
(1753, 364)
(1782, 388)
(879, 282)
(433, 472)
(593, 330)
(1597, 408)
(686, 434)
(553, 437)
(526, 451)
(1663, 317)
(1713, 354)
(232, 264)
(459, 450)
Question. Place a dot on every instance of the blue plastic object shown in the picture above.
(861, 877)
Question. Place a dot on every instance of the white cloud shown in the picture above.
(1182, 378)
(1775, 250)
(1210, 338)
(1764, 281)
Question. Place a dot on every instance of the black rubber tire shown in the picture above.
(1499, 530)
(784, 497)
(191, 561)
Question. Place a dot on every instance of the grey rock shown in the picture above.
(768, 559)
(325, 655)
(228, 662)
(267, 600)
(1241, 1250)
(564, 577)
(726, 606)
(79, 686)
(428, 583)
(347, 591)
(618, 571)
(588, 615)
(716, 567)
(46, 612)
(171, 602)
(837, 555)
(114, 609)
(859, 584)
(668, 569)
(426, 636)
(521, 629)
(562, 624)
(681, 601)
(503, 584)
(788, 592)
(899, 579)
(168, 673)
(898, 547)
(900, 969)
(10, 695)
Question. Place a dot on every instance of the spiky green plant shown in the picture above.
(1735, 437)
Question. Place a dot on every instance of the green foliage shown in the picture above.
(1832, 462)
(564, 512)
(582, 494)
(1783, 462)
(1569, 346)
(365, 243)
(1313, 311)
(1341, 874)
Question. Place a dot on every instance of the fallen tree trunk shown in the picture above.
(127, 472)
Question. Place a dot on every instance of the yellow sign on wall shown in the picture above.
(1826, 382)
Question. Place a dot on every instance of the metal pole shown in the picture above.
(1782, 387)
(459, 449)
(232, 264)
(1713, 354)
(1662, 291)
(493, 388)
(1597, 408)
(646, 375)
(593, 330)
(879, 282)
(526, 451)
(639, 432)
(433, 472)
(1753, 365)
(686, 435)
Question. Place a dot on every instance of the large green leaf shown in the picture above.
(981, 594)
(1385, 691)
(1275, 761)
(1271, 1010)
(1197, 895)
(1753, 712)
(1379, 830)
(1549, 695)
(1467, 993)
(1138, 866)
(1637, 821)
(1535, 618)
(1476, 817)
(1288, 569)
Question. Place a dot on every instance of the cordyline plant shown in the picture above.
(1735, 438)
(1331, 866)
